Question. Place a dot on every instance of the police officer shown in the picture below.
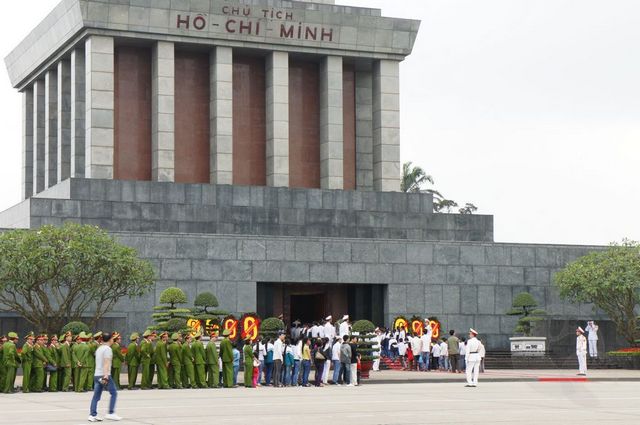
(247, 353)
(199, 361)
(188, 371)
(79, 358)
(53, 357)
(118, 359)
(38, 363)
(162, 361)
(226, 353)
(213, 368)
(11, 360)
(147, 358)
(175, 361)
(472, 358)
(26, 357)
(133, 360)
(65, 363)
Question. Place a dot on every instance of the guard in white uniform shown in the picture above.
(592, 332)
(329, 331)
(472, 358)
(581, 351)
(344, 326)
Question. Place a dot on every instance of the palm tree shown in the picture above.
(413, 178)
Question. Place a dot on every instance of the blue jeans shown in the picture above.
(260, 369)
(424, 357)
(336, 371)
(287, 375)
(268, 371)
(97, 393)
(345, 369)
(235, 374)
(295, 373)
(306, 369)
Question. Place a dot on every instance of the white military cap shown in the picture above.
(345, 317)
(580, 330)
(473, 331)
(329, 317)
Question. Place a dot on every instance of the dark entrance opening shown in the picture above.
(310, 302)
(307, 308)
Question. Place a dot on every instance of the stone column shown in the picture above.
(221, 116)
(38, 136)
(331, 131)
(51, 128)
(386, 126)
(78, 112)
(162, 112)
(64, 120)
(277, 105)
(364, 130)
(99, 107)
(27, 143)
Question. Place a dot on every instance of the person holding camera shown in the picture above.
(102, 380)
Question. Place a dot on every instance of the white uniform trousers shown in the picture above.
(593, 348)
(582, 362)
(325, 371)
(473, 369)
(354, 373)
(376, 364)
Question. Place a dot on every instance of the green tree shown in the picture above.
(415, 179)
(524, 305)
(366, 338)
(55, 275)
(169, 310)
(205, 307)
(270, 327)
(609, 279)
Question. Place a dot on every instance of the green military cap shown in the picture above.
(134, 336)
(226, 332)
(83, 335)
(62, 337)
(30, 335)
(12, 335)
(97, 334)
(146, 333)
(175, 336)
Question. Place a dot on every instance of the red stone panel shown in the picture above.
(191, 117)
(349, 126)
(132, 117)
(249, 121)
(304, 124)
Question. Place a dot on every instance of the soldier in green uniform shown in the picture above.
(162, 361)
(26, 358)
(199, 361)
(40, 360)
(118, 359)
(133, 360)
(79, 354)
(93, 344)
(247, 353)
(213, 368)
(3, 339)
(64, 364)
(226, 354)
(10, 359)
(175, 360)
(188, 371)
(52, 358)
(146, 359)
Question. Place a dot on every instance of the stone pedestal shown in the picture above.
(528, 345)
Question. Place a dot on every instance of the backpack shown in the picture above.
(269, 358)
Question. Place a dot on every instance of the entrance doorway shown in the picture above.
(310, 302)
(307, 308)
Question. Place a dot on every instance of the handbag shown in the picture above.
(319, 355)
(50, 368)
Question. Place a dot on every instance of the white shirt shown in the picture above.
(435, 351)
(344, 328)
(402, 348)
(315, 331)
(592, 330)
(462, 348)
(262, 351)
(444, 349)
(473, 350)
(329, 331)
(297, 351)
(335, 351)
(426, 343)
(278, 349)
(103, 352)
(581, 345)
(416, 346)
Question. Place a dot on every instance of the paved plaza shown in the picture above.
(614, 399)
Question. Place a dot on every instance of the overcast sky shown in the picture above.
(529, 109)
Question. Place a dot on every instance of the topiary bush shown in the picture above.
(205, 307)
(175, 325)
(75, 328)
(271, 326)
(366, 339)
(524, 305)
(165, 313)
